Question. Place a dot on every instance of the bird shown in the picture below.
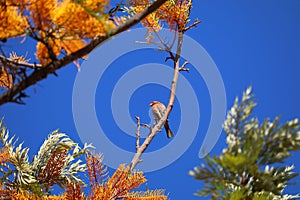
(158, 110)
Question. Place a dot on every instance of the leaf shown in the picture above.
(251, 167)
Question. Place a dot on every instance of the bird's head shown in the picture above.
(153, 103)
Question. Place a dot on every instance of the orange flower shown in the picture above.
(41, 11)
(57, 44)
(99, 6)
(6, 79)
(152, 20)
(174, 13)
(148, 195)
(77, 22)
(4, 155)
(42, 53)
(73, 192)
(12, 23)
(118, 186)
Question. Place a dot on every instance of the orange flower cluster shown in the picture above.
(6, 79)
(57, 45)
(19, 3)
(152, 20)
(73, 192)
(96, 170)
(119, 185)
(96, 5)
(61, 24)
(21, 195)
(148, 195)
(174, 13)
(82, 21)
(4, 155)
(71, 24)
(41, 12)
(25, 195)
(53, 169)
(12, 22)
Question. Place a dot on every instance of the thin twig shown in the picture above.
(138, 133)
(167, 48)
(174, 39)
(147, 126)
(42, 73)
(182, 68)
(196, 22)
(16, 63)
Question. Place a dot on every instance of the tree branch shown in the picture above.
(194, 24)
(136, 159)
(9, 61)
(138, 133)
(42, 73)
(182, 68)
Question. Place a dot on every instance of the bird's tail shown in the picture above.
(168, 130)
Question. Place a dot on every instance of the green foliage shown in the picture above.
(57, 162)
(251, 166)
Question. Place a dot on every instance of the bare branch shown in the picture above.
(196, 22)
(182, 68)
(16, 63)
(42, 73)
(167, 48)
(147, 126)
(136, 159)
(138, 135)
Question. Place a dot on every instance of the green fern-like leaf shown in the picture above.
(23, 171)
(56, 163)
(245, 169)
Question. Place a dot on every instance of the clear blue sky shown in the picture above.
(252, 43)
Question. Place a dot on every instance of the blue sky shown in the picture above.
(251, 42)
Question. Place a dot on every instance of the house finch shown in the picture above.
(158, 110)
